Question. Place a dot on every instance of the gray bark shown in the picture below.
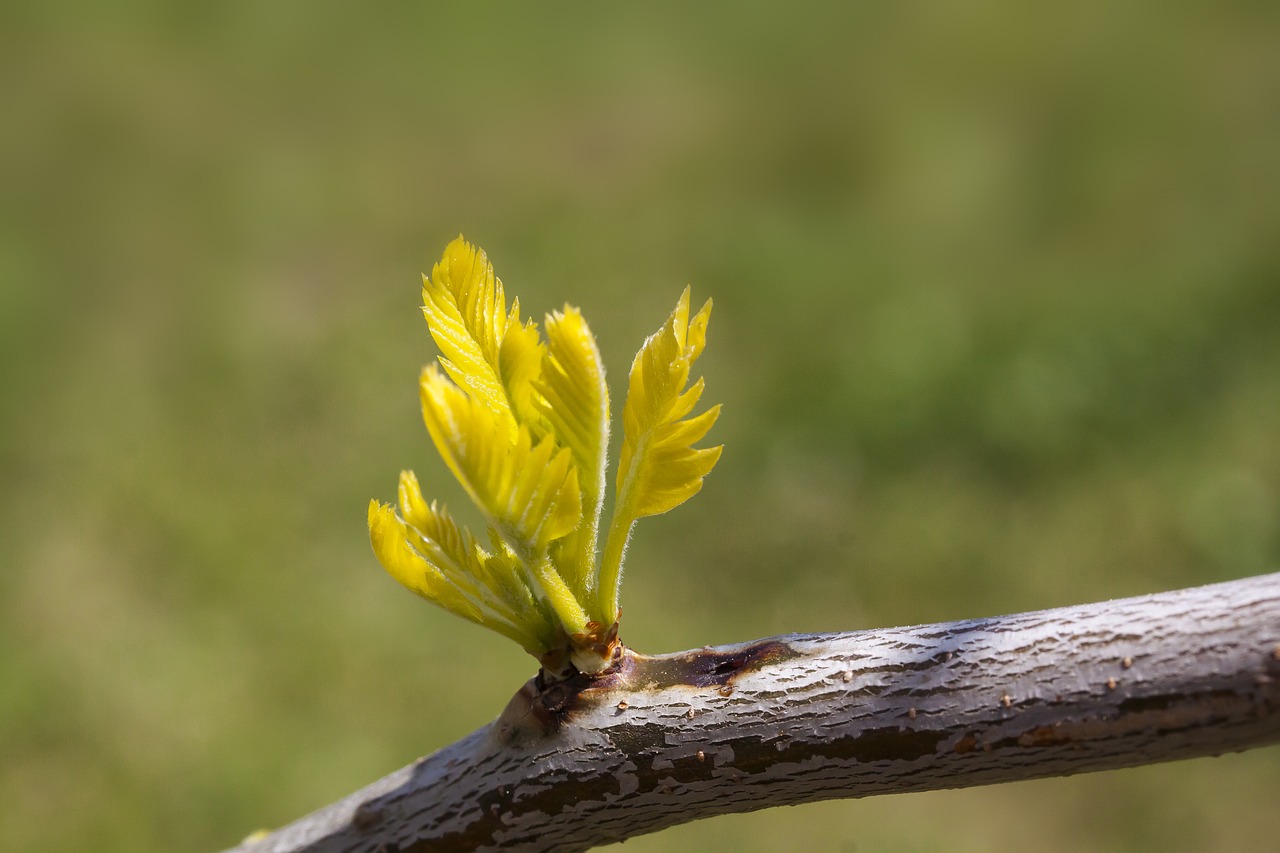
(794, 719)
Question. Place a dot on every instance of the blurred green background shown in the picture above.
(997, 328)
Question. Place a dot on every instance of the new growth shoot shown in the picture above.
(523, 424)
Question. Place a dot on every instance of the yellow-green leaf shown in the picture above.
(575, 402)
(455, 552)
(484, 349)
(441, 563)
(659, 468)
(528, 491)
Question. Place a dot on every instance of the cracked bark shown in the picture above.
(794, 719)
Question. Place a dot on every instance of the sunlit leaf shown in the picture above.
(444, 571)
(529, 492)
(484, 348)
(659, 469)
(575, 402)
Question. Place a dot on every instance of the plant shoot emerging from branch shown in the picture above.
(524, 426)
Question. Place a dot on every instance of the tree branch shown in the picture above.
(666, 740)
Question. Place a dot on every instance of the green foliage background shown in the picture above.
(997, 328)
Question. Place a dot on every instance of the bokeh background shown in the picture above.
(997, 328)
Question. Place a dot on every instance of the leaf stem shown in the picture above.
(566, 606)
(611, 566)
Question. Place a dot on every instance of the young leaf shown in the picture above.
(576, 405)
(529, 492)
(484, 349)
(659, 468)
(498, 585)
(442, 564)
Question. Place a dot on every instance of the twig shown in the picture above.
(794, 719)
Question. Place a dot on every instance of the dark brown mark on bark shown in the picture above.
(549, 704)
(705, 667)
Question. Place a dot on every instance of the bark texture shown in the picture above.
(794, 719)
